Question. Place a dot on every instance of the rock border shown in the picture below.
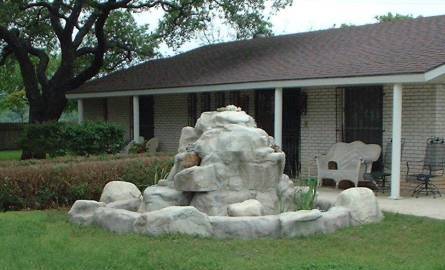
(190, 221)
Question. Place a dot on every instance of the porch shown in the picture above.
(305, 121)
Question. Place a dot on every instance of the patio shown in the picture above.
(422, 206)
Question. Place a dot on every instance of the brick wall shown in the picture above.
(119, 111)
(318, 127)
(94, 109)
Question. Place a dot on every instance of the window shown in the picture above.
(220, 100)
(192, 111)
(205, 102)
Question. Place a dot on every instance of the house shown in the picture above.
(309, 90)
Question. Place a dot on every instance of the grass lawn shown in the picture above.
(10, 155)
(45, 240)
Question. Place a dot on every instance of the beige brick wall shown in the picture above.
(94, 109)
(423, 116)
(119, 112)
(170, 116)
(318, 127)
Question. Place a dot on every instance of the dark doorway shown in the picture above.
(264, 115)
(364, 114)
(146, 122)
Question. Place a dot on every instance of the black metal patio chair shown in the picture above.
(379, 177)
(433, 165)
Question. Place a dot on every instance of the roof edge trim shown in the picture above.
(343, 81)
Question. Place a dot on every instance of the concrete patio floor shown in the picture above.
(422, 206)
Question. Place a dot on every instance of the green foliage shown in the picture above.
(58, 139)
(305, 200)
(389, 17)
(53, 183)
(93, 138)
(143, 176)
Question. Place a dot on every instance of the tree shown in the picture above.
(88, 37)
(93, 36)
(389, 17)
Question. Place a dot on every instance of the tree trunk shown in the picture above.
(49, 110)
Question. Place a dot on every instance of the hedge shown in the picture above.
(58, 184)
(59, 139)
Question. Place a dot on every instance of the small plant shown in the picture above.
(304, 198)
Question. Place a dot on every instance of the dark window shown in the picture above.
(205, 102)
(220, 100)
(240, 99)
(192, 111)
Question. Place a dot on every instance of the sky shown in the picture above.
(309, 15)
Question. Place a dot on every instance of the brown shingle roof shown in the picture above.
(404, 47)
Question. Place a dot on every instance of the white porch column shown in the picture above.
(396, 141)
(278, 116)
(136, 119)
(80, 112)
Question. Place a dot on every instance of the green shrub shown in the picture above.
(58, 139)
(305, 200)
(56, 184)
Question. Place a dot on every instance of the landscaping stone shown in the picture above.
(115, 220)
(157, 197)
(188, 136)
(245, 227)
(82, 211)
(172, 220)
(362, 203)
(197, 179)
(313, 222)
(216, 203)
(119, 190)
(130, 205)
(247, 208)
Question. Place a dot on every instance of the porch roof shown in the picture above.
(404, 51)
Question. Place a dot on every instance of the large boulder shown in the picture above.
(157, 197)
(362, 203)
(115, 220)
(174, 220)
(245, 227)
(82, 211)
(130, 204)
(247, 208)
(119, 190)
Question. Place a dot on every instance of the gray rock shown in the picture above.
(215, 203)
(247, 208)
(285, 194)
(82, 211)
(130, 205)
(188, 136)
(174, 220)
(115, 220)
(328, 222)
(197, 179)
(119, 190)
(152, 145)
(245, 227)
(323, 204)
(362, 203)
(269, 200)
(157, 197)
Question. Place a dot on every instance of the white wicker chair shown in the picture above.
(350, 159)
